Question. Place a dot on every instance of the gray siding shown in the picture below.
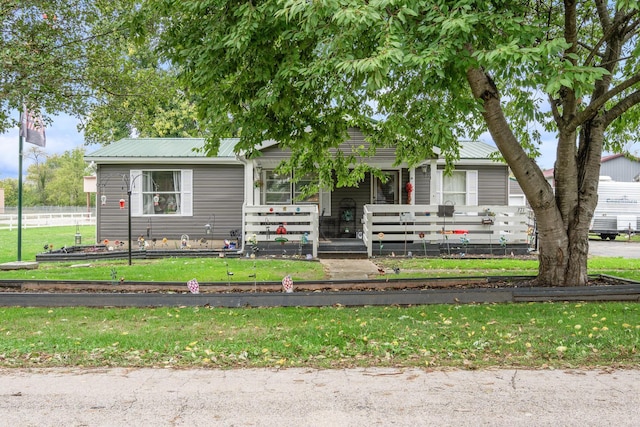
(355, 141)
(620, 169)
(493, 185)
(423, 186)
(514, 186)
(218, 196)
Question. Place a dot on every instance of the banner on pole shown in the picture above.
(32, 129)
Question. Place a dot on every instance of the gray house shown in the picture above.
(620, 167)
(176, 191)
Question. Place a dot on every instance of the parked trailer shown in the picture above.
(618, 209)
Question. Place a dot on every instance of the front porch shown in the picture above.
(384, 230)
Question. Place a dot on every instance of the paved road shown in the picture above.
(615, 248)
(308, 397)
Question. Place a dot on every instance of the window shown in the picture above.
(161, 192)
(386, 192)
(454, 188)
(279, 190)
(460, 188)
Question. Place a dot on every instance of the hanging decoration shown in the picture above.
(409, 188)
(347, 215)
(103, 200)
(122, 202)
(281, 229)
(156, 200)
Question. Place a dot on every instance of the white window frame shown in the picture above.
(136, 182)
(471, 186)
(293, 191)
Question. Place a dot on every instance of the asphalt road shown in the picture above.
(615, 248)
(310, 397)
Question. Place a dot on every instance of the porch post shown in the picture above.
(433, 191)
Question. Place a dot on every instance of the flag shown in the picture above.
(32, 129)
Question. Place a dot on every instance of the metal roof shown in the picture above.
(161, 148)
(158, 148)
(476, 150)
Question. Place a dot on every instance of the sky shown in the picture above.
(62, 135)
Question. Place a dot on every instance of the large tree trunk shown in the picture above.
(563, 218)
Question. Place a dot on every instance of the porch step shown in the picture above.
(342, 248)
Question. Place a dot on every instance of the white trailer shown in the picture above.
(618, 209)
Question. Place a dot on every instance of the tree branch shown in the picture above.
(554, 110)
(621, 107)
(598, 103)
(603, 14)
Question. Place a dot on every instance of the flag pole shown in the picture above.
(20, 144)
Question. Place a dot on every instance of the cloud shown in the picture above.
(62, 135)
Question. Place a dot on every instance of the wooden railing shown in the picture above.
(53, 219)
(432, 224)
(300, 224)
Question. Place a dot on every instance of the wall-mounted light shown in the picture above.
(258, 168)
(424, 169)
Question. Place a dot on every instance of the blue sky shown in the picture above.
(62, 135)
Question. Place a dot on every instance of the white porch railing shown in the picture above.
(421, 223)
(53, 219)
(263, 222)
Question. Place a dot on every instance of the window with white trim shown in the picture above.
(460, 188)
(161, 192)
(280, 190)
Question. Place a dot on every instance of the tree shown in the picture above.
(78, 57)
(10, 186)
(39, 173)
(44, 55)
(55, 180)
(66, 187)
(301, 71)
(149, 103)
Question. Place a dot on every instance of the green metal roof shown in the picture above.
(161, 147)
(132, 148)
(476, 150)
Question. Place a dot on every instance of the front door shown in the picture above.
(387, 192)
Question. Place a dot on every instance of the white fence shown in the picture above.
(432, 224)
(52, 219)
(396, 223)
(299, 224)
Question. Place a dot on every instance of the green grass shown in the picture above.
(175, 270)
(34, 239)
(539, 335)
(559, 335)
(215, 269)
(161, 270)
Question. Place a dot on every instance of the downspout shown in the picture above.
(248, 190)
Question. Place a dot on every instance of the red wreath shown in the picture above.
(409, 188)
